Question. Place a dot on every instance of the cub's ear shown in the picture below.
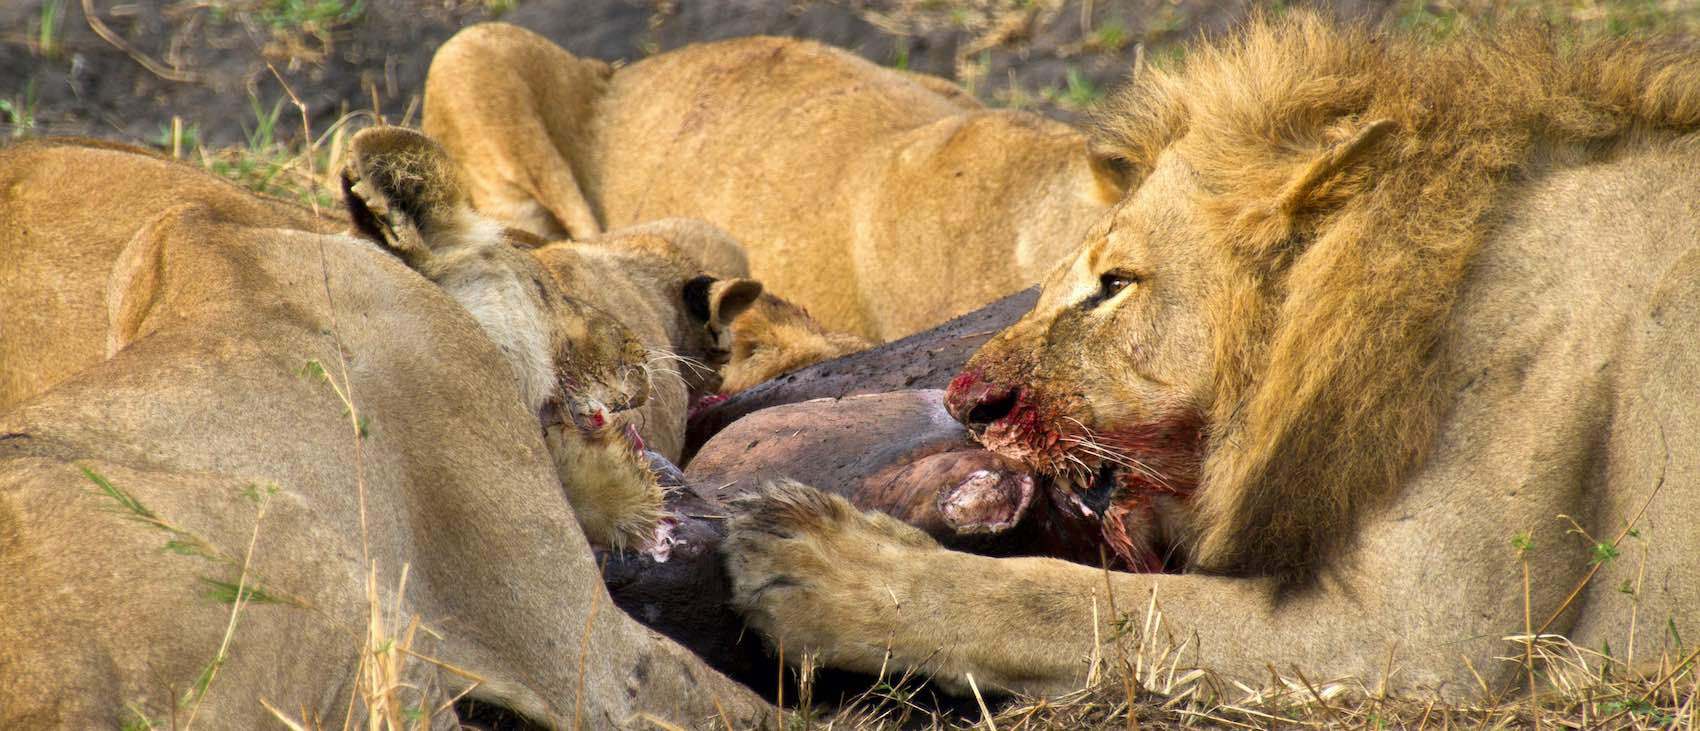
(403, 191)
(1114, 173)
(717, 302)
(134, 286)
(1305, 187)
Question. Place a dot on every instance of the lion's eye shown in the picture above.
(1112, 283)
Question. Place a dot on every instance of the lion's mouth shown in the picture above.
(1090, 494)
(1126, 499)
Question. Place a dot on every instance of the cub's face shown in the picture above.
(1105, 384)
(600, 366)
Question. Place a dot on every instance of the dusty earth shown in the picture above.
(217, 64)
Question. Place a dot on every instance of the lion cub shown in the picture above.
(576, 365)
(774, 337)
(680, 285)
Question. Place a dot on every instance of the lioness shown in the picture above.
(884, 201)
(1381, 312)
(575, 365)
(227, 394)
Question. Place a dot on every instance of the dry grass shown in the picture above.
(381, 691)
(1609, 17)
(1140, 678)
(1578, 688)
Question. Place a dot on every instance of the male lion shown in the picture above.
(247, 357)
(1380, 309)
(884, 201)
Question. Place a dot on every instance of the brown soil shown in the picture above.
(211, 62)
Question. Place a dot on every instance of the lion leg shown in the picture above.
(514, 110)
(866, 593)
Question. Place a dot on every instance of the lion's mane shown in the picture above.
(1327, 345)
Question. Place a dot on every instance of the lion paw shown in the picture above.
(812, 572)
(613, 492)
(401, 188)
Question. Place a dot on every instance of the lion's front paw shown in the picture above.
(813, 573)
(614, 494)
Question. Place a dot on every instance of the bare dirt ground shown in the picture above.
(216, 65)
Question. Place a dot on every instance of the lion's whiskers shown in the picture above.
(662, 354)
(1087, 444)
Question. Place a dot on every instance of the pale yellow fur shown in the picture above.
(61, 242)
(206, 410)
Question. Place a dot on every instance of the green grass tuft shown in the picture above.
(224, 592)
(311, 15)
(49, 26)
(127, 503)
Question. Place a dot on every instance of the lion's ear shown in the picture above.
(403, 191)
(1303, 188)
(134, 286)
(1114, 173)
(717, 302)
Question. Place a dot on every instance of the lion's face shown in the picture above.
(1104, 385)
(600, 367)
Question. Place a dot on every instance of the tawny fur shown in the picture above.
(62, 241)
(615, 497)
(1326, 368)
(1377, 306)
(58, 240)
(639, 274)
(883, 201)
(220, 298)
(774, 337)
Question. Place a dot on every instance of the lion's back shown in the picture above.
(68, 208)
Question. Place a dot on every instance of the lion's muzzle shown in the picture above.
(976, 402)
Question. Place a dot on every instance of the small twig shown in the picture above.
(100, 29)
(1127, 670)
(277, 714)
(656, 721)
(721, 711)
(236, 606)
(1478, 676)
(1333, 714)
(1652, 688)
(1635, 608)
(1529, 645)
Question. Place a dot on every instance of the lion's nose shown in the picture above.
(978, 403)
